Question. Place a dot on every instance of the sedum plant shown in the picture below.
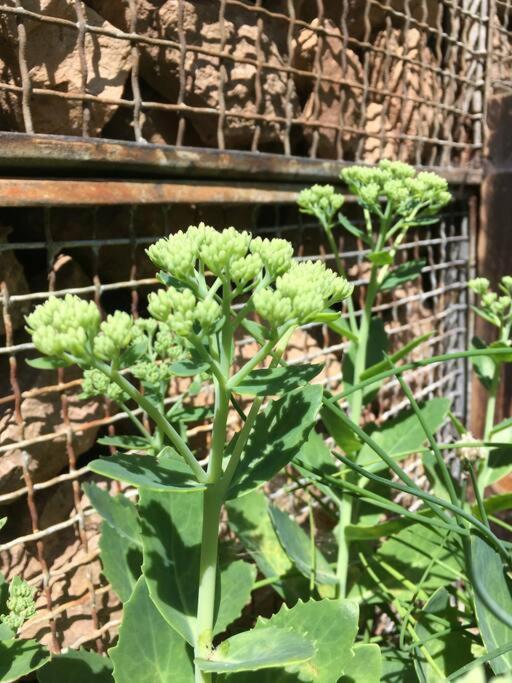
(162, 555)
(421, 594)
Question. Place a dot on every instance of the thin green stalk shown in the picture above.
(341, 271)
(490, 414)
(135, 420)
(445, 357)
(158, 418)
(250, 365)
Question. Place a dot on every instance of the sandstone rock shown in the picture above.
(199, 21)
(53, 62)
(12, 274)
(388, 114)
(329, 104)
(363, 20)
(42, 415)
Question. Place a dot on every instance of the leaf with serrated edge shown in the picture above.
(365, 665)
(236, 585)
(278, 434)
(248, 517)
(148, 649)
(330, 625)
(276, 381)
(118, 511)
(495, 634)
(121, 561)
(19, 657)
(296, 543)
(78, 666)
(258, 649)
(145, 471)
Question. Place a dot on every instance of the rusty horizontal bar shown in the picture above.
(20, 151)
(24, 192)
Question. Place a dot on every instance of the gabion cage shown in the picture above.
(125, 120)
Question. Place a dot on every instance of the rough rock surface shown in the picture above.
(363, 19)
(42, 415)
(12, 274)
(388, 114)
(208, 83)
(53, 62)
(328, 103)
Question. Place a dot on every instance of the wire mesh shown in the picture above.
(48, 434)
(351, 81)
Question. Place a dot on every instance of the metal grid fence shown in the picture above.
(316, 78)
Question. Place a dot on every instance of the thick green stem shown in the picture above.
(212, 506)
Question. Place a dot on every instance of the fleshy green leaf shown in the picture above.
(128, 443)
(236, 585)
(404, 433)
(487, 563)
(448, 647)
(19, 657)
(187, 368)
(258, 649)
(381, 258)
(331, 626)
(6, 633)
(296, 543)
(45, 363)
(397, 666)
(344, 437)
(118, 511)
(121, 561)
(365, 665)
(317, 455)
(249, 519)
(78, 666)
(277, 381)
(403, 273)
(168, 473)
(484, 366)
(278, 434)
(149, 650)
(499, 462)
(171, 539)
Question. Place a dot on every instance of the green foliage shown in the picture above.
(168, 473)
(297, 545)
(258, 649)
(495, 633)
(19, 658)
(149, 650)
(277, 381)
(278, 434)
(79, 666)
(249, 518)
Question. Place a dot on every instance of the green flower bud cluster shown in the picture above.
(301, 294)
(229, 254)
(65, 325)
(151, 373)
(276, 254)
(167, 346)
(180, 310)
(494, 308)
(321, 201)
(398, 185)
(117, 333)
(20, 604)
(96, 383)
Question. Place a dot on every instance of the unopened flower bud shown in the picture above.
(20, 604)
(276, 254)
